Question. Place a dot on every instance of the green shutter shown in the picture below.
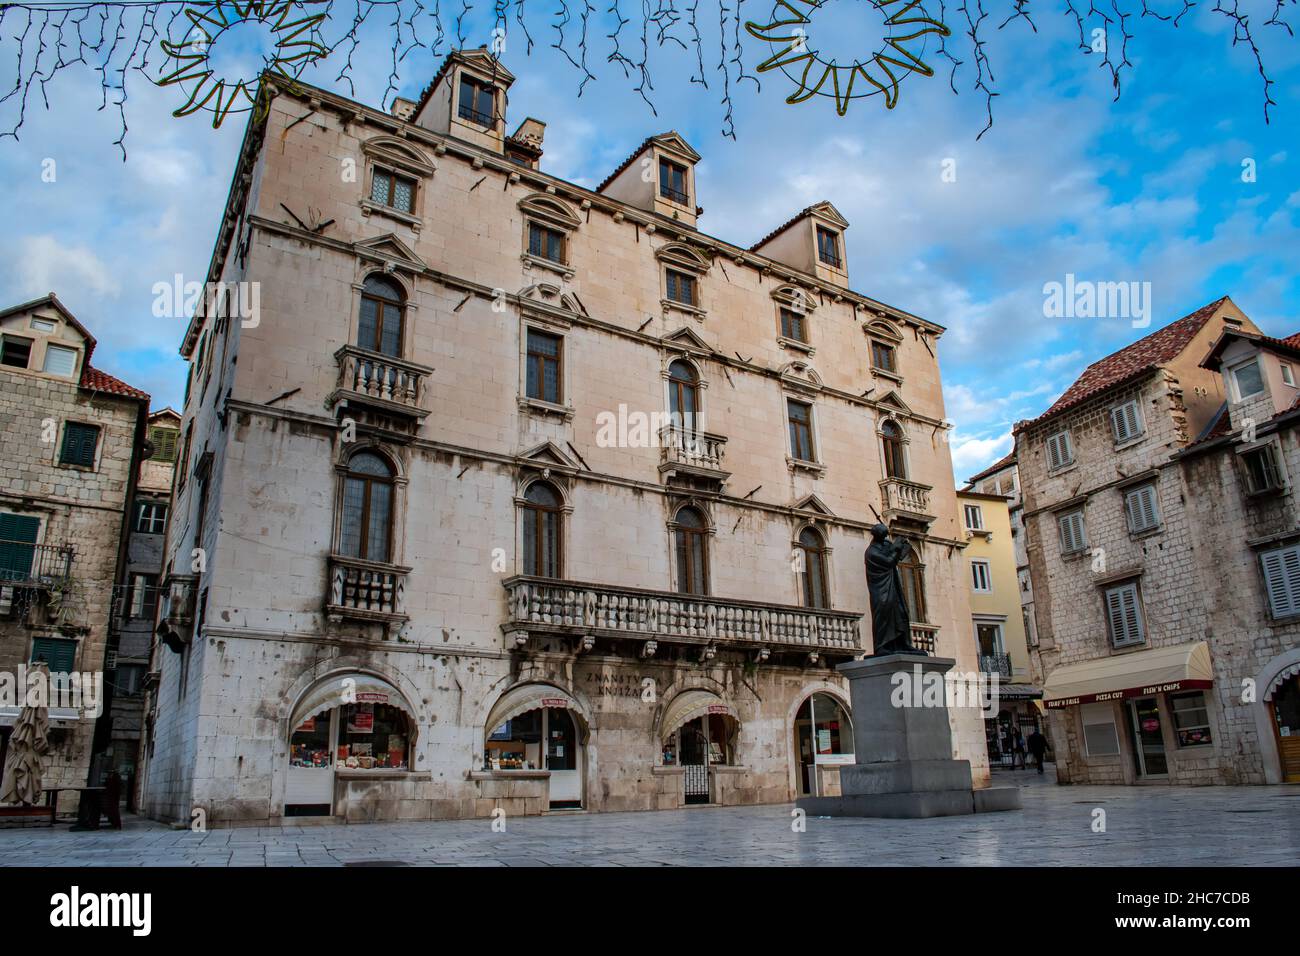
(17, 551)
(58, 652)
(79, 443)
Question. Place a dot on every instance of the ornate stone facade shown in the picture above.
(557, 565)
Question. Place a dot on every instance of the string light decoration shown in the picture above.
(794, 46)
(296, 30)
(155, 41)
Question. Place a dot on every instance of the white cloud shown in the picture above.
(44, 264)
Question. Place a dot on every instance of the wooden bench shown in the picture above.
(24, 812)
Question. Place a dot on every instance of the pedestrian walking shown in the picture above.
(1037, 746)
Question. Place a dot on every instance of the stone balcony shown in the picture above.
(391, 386)
(363, 590)
(693, 453)
(905, 500)
(584, 610)
(925, 637)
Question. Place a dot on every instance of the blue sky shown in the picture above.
(1146, 189)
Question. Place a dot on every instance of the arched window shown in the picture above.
(684, 394)
(891, 439)
(812, 550)
(691, 541)
(542, 508)
(367, 527)
(380, 328)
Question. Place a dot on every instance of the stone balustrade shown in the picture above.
(570, 606)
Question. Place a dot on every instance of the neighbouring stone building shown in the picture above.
(997, 618)
(495, 491)
(1133, 523)
(1240, 489)
(135, 604)
(72, 438)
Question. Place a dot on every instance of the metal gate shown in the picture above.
(697, 783)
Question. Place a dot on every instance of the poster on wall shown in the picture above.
(362, 719)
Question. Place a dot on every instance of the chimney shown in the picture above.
(524, 145)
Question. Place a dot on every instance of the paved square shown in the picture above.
(1145, 826)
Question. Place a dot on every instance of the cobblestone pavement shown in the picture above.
(1169, 826)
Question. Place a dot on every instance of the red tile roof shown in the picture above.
(1008, 459)
(1134, 360)
(95, 380)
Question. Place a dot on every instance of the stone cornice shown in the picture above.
(535, 307)
(329, 425)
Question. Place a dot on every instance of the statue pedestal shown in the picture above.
(904, 765)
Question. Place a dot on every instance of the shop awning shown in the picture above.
(1282, 677)
(526, 697)
(690, 704)
(1018, 691)
(1155, 671)
(349, 688)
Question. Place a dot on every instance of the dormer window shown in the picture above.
(1247, 381)
(15, 352)
(672, 182)
(43, 325)
(828, 247)
(1288, 377)
(476, 102)
(60, 360)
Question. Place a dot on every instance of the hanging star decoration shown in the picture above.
(297, 41)
(883, 71)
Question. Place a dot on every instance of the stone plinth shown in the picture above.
(904, 765)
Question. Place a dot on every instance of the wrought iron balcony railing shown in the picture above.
(393, 385)
(550, 606)
(25, 564)
(366, 590)
(999, 664)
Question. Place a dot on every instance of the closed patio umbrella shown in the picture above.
(28, 745)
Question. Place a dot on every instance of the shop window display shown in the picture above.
(518, 743)
(368, 736)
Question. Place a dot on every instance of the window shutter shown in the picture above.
(1140, 504)
(17, 537)
(1282, 580)
(1072, 532)
(1124, 616)
(58, 652)
(1058, 450)
(1124, 421)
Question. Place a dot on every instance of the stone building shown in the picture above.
(1241, 502)
(1141, 667)
(72, 438)
(997, 618)
(135, 604)
(500, 492)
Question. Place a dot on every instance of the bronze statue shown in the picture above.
(891, 628)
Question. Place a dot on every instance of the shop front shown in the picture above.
(539, 728)
(823, 742)
(698, 737)
(350, 723)
(1283, 701)
(1144, 716)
